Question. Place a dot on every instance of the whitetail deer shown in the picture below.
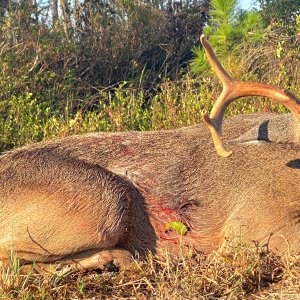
(87, 200)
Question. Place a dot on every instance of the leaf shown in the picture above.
(177, 226)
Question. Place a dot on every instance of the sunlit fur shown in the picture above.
(84, 195)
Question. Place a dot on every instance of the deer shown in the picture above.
(86, 201)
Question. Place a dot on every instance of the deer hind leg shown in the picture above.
(106, 259)
(87, 208)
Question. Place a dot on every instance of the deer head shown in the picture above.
(232, 90)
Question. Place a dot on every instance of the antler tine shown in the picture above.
(233, 89)
(217, 138)
(214, 62)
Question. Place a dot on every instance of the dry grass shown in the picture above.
(237, 272)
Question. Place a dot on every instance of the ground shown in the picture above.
(238, 272)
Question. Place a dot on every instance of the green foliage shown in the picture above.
(178, 104)
(222, 28)
(250, 51)
(228, 31)
(199, 64)
(251, 27)
(101, 44)
(117, 65)
(222, 11)
(279, 11)
(24, 119)
(276, 59)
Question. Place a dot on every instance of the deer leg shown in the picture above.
(107, 259)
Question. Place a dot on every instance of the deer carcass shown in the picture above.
(89, 199)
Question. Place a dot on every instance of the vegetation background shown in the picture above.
(88, 65)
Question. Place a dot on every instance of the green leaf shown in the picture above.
(177, 226)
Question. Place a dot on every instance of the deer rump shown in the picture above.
(88, 200)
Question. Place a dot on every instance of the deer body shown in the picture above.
(90, 199)
(100, 191)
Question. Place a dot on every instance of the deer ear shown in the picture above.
(276, 129)
(294, 164)
(257, 133)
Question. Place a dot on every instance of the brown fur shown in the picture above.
(93, 192)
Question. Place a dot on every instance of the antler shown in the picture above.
(232, 90)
